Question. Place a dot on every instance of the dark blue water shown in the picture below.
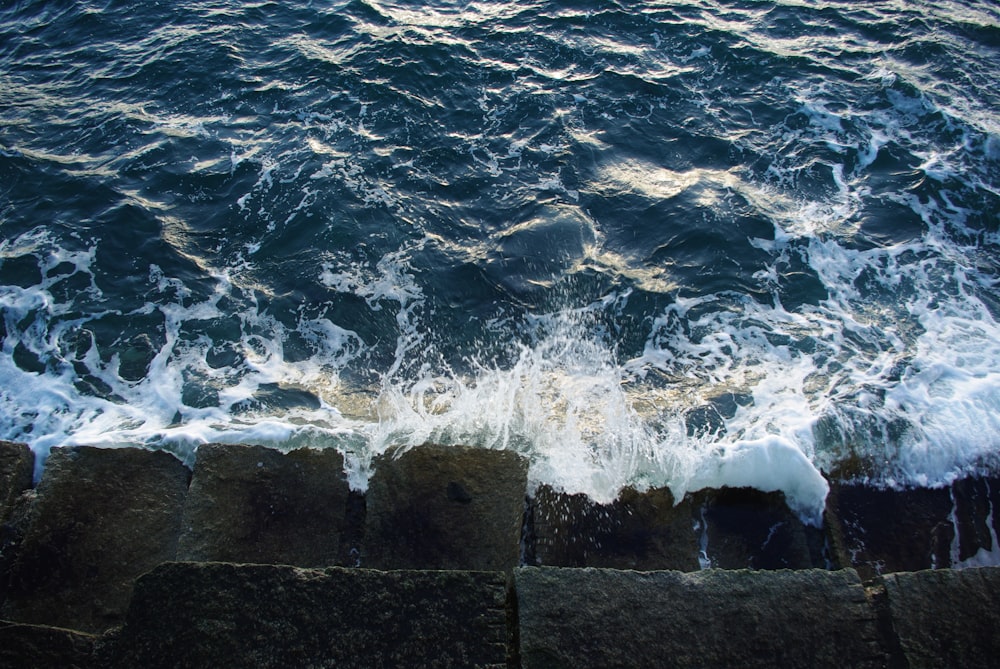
(653, 243)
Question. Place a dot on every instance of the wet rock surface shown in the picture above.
(882, 531)
(227, 615)
(743, 528)
(259, 505)
(445, 507)
(976, 519)
(73, 547)
(639, 530)
(17, 464)
(946, 618)
(101, 518)
(584, 618)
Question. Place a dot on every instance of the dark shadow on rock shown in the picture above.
(744, 528)
(639, 530)
(445, 507)
(101, 518)
(259, 616)
(879, 531)
(259, 505)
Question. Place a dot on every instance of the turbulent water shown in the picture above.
(642, 243)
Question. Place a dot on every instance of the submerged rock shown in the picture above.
(256, 504)
(445, 507)
(605, 619)
(639, 530)
(101, 518)
(258, 616)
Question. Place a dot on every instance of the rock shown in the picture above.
(43, 647)
(11, 536)
(743, 528)
(227, 615)
(583, 618)
(879, 531)
(17, 465)
(101, 518)
(947, 618)
(445, 507)
(976, 502)
(256, 504)
(645, 531)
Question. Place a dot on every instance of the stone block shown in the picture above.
(259, 616)
(743, 528)
(879, 531)
(17, 465)
(582, 618)
(41, 647)
(947, 618)
(639, 530)
(256, 504)
(101, 518)
(445, 507)
(11, 536)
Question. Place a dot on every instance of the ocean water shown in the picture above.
(681, 244)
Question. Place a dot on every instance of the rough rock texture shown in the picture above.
(226, 615)
(256, 504)
(17, 464)
(581, 618)
(743, 528)
(947, 618)
(12, 533)
(645, 531)
(445, 507)
(42, 647)
(101, 518)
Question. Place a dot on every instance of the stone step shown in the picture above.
(73, 547)
(606, 619)
(228, 615)
(100, 519)
(237, 615)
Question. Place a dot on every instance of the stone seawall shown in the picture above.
(260, 558)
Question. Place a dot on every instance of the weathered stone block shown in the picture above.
(743, 528)
(581, 618)
(226, 615)
(101, 518)
(445, 507)
(256, 504)
(11, 536)
(639, 530)
(41, 647)
(17, 464)
(880, 531)
(947, 618)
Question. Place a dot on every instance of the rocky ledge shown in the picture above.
(260, 558)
